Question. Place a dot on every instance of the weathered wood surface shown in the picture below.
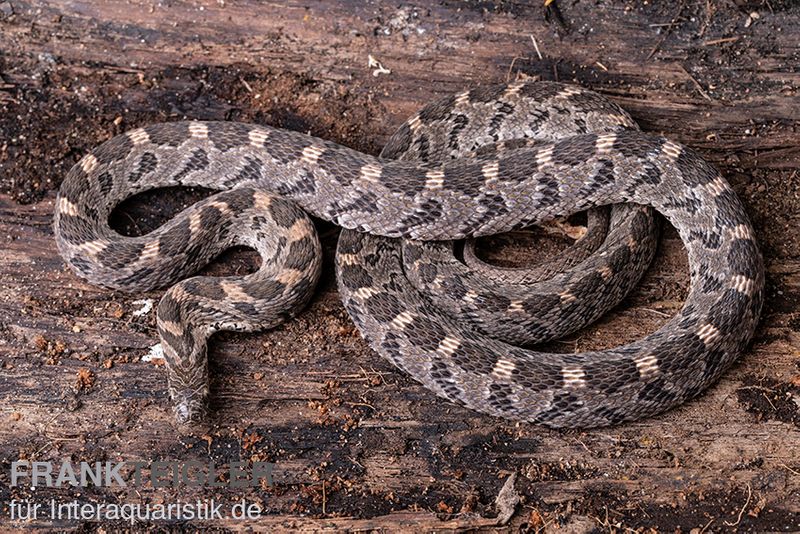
(357, 444)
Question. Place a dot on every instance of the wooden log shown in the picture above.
(358, 445)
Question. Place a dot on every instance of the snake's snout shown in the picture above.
(190, 411)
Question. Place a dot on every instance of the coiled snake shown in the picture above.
(481, 162)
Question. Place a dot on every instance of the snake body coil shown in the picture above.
(481, 162)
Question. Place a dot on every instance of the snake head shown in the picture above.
(189, 408)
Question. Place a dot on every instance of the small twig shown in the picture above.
(359, 464)
(696, 84)
(545, 524)
(536, 47)
(605, 523)
(324, 499)
(53, 438)
(511, 67)
(738, 519)
(329, 374)
(758, 388)
(721, 41)
(774, 409)
(354, 404)
(583, 445)
(662, 314)
(49, 443)
(668, 31)
(133, 221)
(707, 525)
(762, 389)
(789, 469)
(601, 66)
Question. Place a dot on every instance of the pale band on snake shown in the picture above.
(485, 161)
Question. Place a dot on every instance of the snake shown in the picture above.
(484, 161)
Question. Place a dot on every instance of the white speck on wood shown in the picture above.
(146, 306)
(156, 353)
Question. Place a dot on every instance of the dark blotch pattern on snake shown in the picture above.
(481, 162)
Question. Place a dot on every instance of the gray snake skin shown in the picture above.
(481, 162)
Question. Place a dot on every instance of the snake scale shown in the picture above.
(481, 162)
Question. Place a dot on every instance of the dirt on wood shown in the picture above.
(356, 443)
